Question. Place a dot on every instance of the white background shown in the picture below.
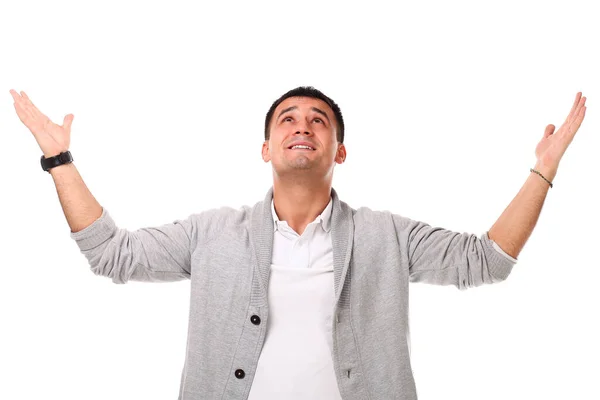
(444, 103)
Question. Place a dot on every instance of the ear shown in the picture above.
(266, 156)
(340, 156)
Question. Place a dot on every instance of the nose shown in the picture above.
(303, 127)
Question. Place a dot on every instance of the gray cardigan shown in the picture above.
(226, 254)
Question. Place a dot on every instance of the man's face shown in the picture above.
(308, 121)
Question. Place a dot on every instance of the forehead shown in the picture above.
(304, 103)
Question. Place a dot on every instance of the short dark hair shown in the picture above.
(308, 91)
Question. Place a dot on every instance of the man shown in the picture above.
(299, 296)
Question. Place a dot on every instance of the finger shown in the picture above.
(28, 113)
(32, 110)
(549, 130)
(21, 112)
(18, 99)
(580, 117)
(580, 105)
(15, 95)
(574, 106)
(24, 109)
(28, 101)
(577, 114)
(68, 120)
(574, 126)
(18, 105)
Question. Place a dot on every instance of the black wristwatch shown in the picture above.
(63, 158)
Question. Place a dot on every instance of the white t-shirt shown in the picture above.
(296, 359)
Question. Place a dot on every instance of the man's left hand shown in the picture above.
(553, 145)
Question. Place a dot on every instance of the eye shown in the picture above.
(318, 119)
(286, 118)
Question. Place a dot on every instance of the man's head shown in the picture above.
(304, 116)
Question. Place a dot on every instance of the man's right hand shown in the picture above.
(53, 139)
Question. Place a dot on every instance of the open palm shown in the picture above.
(553, 145)
(52, 138)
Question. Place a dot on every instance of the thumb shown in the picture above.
(549, 130)
(68, 121)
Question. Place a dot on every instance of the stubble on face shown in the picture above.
(300, 161)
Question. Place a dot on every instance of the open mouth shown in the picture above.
(301, 147)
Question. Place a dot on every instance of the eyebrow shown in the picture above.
(286, 110)
(315, 109)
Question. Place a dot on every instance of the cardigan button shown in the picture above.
(255, 319)
(239, 373)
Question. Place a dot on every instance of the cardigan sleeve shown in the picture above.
(442, 257)
(153, 254)
(505, 254)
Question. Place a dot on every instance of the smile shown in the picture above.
(302, 147)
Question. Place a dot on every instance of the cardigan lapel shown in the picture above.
(342, 232)
(342, 235)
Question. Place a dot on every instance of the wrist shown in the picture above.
(55, 161)
(548, 171)
(58, 170)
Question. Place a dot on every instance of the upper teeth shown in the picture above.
(300, 146)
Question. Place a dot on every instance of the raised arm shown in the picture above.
(149, 254)
(78, 204)
(443, 257)
(514, 226)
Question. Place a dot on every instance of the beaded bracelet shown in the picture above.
(537, 172)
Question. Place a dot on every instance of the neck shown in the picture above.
(299, 203)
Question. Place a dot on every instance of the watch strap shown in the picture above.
(63, 158)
